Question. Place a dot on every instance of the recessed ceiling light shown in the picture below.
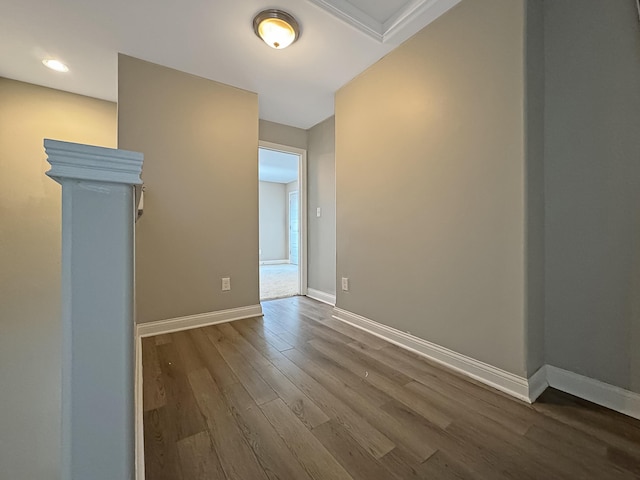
(278, 29)
(56, 65)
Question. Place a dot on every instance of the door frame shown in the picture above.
(302, 210)
(297, 193)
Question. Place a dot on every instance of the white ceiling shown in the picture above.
(213, 39)
(277, 167)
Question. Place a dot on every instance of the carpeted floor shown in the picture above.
(278, 281)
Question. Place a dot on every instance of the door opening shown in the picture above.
(282, 187)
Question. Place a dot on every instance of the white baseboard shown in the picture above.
(538, 383)
(502, 380)
(274, 262)
(595, 391)
(321, 296)
(200, 320)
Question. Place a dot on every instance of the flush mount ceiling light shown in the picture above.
(56, 65)
(278, 29)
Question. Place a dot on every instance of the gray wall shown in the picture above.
(273, 221)
(321, 192)
(535, 201)
(200, 142)
(430, 169)
(592, 175)
(283, 134)
(30, 221)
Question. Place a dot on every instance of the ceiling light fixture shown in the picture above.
(278, 29)
(56, 65)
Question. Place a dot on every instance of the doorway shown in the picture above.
(282, 185)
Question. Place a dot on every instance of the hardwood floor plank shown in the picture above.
(198, 459)
(444, 467)
(383, 383)
(367, 436)
(458, 405)
(153, 394)
(301, 405)
(255, 385)
(186, 348)
(236, 457)
(162, 339)
(355, 333)
(355, 460)
(259, 343)
(271, 451)
(362, 363)
(180, 405)
(355, 382)
(211, 359)
(160, 456)
(311, 454)
(409, 437)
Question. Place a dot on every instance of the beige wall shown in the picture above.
(430, 185)
(283, 134)
(273, 221)
(592, 177)
(200, 142)
(321, 168)
(30, 220)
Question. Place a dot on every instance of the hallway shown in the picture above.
(300, 395)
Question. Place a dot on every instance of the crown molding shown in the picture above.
(422, 11)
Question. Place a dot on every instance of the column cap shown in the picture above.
(88, 162)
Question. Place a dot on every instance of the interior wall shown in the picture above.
(200, 142)
(430, 185)
(30, 256)
(321, 192)
(273, 221)
(535, 200)
(592, 176)
(283, 134)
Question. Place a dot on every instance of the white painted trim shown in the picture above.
(302, 196)
(139, 413)
(321, 296)
(425, 10)
(275, 262)
(429, 10)
(353, 16)
(595, 391)
(502, 380)
(87, 162)
(538, 383)
(200, 320)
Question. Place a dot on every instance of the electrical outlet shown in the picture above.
(345, 284)
(226, 284)
(318, 212)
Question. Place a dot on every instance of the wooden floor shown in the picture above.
(299, 395)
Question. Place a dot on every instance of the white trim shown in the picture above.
(87, 162)
(284, 261)
(424, 11)
(321, 296)
(502, 380)
(139, 413)
(595, 391)
(200, 320)
(302, 196)
(538, 383)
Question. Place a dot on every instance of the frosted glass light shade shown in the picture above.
(276, 28)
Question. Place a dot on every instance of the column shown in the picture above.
(98, 215)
